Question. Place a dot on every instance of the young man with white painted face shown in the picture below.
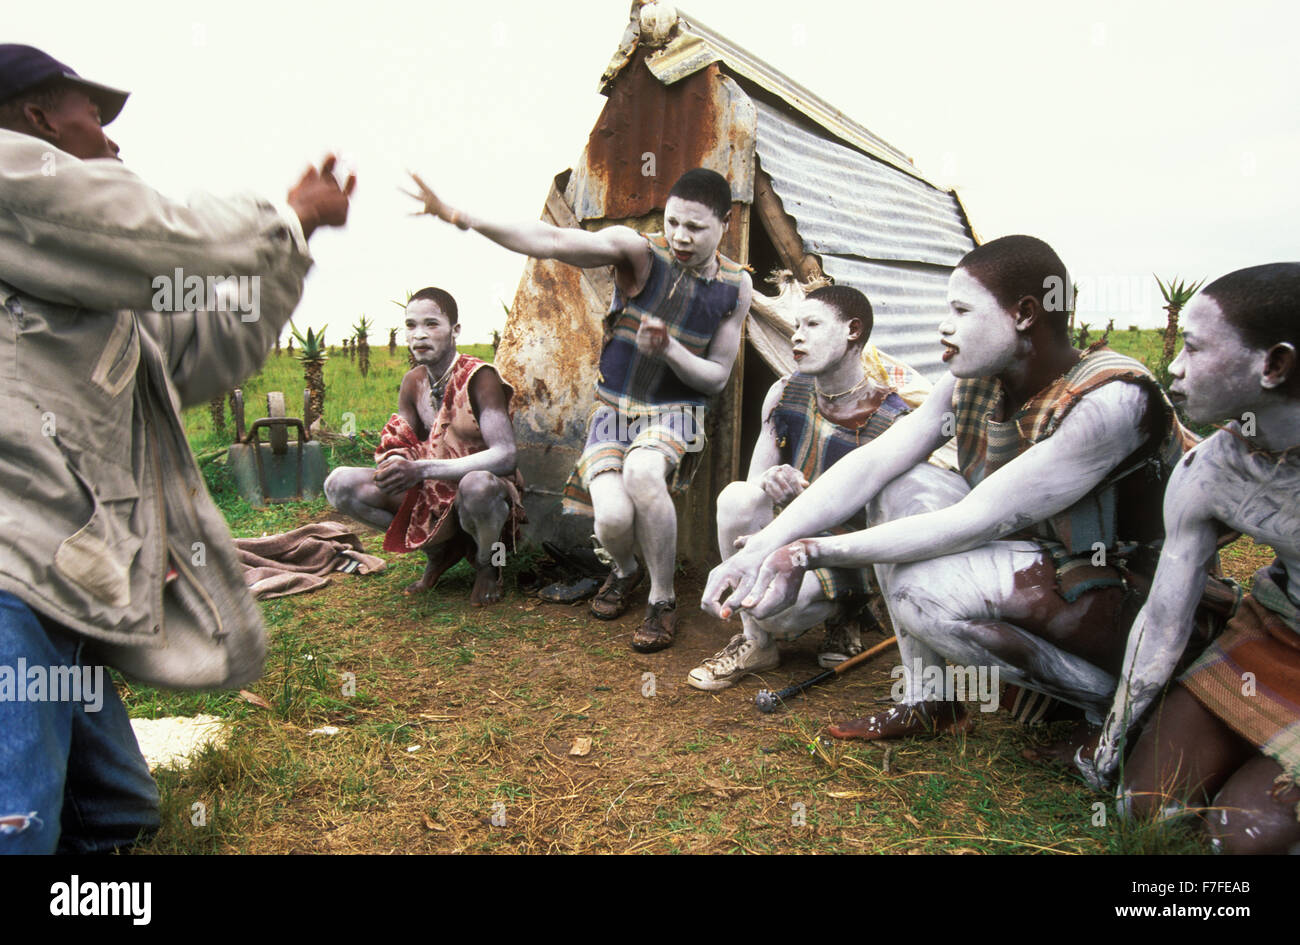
(1227, 734)
(812, 419)
(672, 336)
(446, 478)
(992, 566)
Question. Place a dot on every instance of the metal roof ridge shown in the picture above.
(801, 98)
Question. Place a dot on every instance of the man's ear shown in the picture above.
(1027, 313)
(1279, 366)
(855, 330)
(455, 330)
(39, 122)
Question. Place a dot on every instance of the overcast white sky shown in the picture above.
(1136, 138)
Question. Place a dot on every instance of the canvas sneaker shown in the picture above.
(740, 657)
(843, 639)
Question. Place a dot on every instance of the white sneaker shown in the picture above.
(740, 657)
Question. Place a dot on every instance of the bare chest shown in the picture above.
(1258, 496)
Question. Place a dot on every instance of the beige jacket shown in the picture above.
(99, 491)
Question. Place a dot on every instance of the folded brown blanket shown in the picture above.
(302, 560)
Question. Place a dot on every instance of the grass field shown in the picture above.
(464, 730)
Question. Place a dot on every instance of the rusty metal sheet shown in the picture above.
(551, 344)
(697, 47)
(649, 134)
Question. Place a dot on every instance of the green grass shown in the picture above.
(494, 699)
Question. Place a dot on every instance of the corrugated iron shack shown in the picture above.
(813, 192)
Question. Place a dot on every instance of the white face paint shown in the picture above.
(979, 335)
(429, 333)
(692, 231)
(821, 338)
(1217, 375)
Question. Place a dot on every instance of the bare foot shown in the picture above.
(487, 586)
(441, 557)
(1061, 752)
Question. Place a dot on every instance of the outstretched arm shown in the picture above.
(847, 486)
(1161, 629)
(1046, 479)
(618, 246)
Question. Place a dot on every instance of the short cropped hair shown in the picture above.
(439, 297)
(848, 303)
(1262, 302)
(1012, 267)
(45, 96)
(702, 185)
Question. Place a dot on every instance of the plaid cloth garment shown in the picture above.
(692, 308)
(812, 444)
(1263, 639)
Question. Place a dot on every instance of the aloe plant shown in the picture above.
(362, 344)
(1177, 294)
(313, 359)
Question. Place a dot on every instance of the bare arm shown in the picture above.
(710, 373)
(1161, 629)
(781, 481)
(848, 485)
(1048, 478)
(617, 246)
(1101, 431)
(488, 398)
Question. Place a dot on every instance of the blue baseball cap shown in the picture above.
(22, 68)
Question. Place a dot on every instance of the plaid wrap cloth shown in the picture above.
(690, 307)
(425, 514)
(1262, 639)
(1104, 514)
(812, 444)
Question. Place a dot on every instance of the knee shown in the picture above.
(477, 490)
(338, 486)
(923, 488)
(643, 477)
(739, 503)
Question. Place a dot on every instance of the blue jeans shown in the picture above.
(72, 779)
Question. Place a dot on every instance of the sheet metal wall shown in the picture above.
(875, 228)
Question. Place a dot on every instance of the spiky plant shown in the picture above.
(313, 357)
(1177, 294)
(362, 344)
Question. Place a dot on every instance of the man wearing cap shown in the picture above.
(111, 551)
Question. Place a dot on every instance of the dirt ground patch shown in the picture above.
(531, 727)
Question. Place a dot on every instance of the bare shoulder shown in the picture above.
(1113, 413)
(773, 396)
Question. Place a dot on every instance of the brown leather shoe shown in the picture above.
(614, 596)
(659, 628)
(906, 721)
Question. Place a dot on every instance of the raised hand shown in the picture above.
(317, 198)
(434, 205)
(652, 336)
(782, 483)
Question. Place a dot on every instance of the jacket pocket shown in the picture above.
(98, 556)
(116, 366)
